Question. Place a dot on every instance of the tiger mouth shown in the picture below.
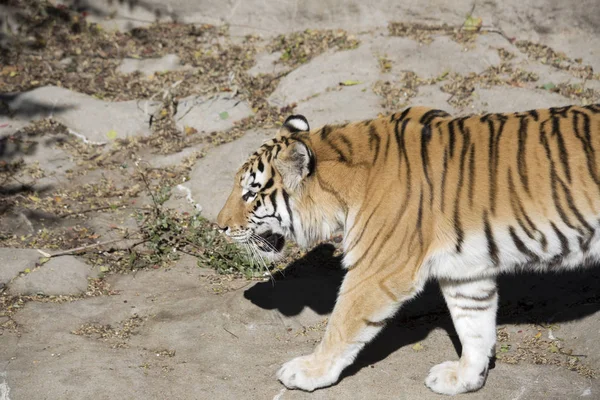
(272, 242)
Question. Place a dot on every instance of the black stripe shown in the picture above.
(387, 147)
(341, 156)
(534, 114)
(378, 324)
(261, 165)
(420, 218)
(399, 135)
(451, 137)
(474, 308)
(444, 172)
(268, 184)
(326, 187)
(584, 243)
(312, 162)
(531, 256)
(431, 115)
(374, 141)
(564, 243)
(348, 144)
(325, 131)
(471, 174)
(573, 207)
(425, 139)
(562, 150)
(273, 198)
(491, 243)
(466, 135)
(487, 296)
(286, 198)
(494, 153)
(562, 111)
(404, 114)
(519, 211)
(521, 155)
(553, 178)
(586, 143)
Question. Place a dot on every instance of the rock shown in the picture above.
(210, 189)
(521, 99)
(65, 275)
(265, 64)
(351, 103)
(434, 59)
(148, 66)
(8, 127)
(209, 114)
(14, 261)
(324, 72)
(84, 114)
(432, 96)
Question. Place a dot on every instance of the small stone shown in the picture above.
(65, 275)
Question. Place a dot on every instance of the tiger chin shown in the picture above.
(421, 195)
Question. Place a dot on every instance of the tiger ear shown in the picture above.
(296, 123)
(295, 163)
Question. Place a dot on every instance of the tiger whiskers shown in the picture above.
(256, 258)
(253, 245)
(263, 241)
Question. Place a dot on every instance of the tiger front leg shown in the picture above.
(363, 305)
(473, 306)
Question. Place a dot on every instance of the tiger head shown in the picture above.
(262, 209)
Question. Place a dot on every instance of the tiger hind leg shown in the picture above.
(473, 306)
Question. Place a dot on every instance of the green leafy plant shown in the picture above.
(167, 234)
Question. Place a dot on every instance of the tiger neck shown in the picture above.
(322, 207)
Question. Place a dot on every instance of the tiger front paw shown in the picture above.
(449, 378)
(307, 373)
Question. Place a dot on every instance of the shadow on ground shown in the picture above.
(314, 280)
(17, 105)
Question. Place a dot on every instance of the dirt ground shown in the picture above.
(121, 126)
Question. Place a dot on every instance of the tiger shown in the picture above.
(420, 195)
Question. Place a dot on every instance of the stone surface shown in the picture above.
(84, 114)
(349, 103)
(14, 261)
(432, 96)
(326, 72)
(209, 114)
(494, 99)
(148, 66)
(209, 189)
(443, 55)
(65, 275)
(539, 19)
(265, 64)
(10, 126)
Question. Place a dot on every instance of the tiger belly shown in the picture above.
(506, 249)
